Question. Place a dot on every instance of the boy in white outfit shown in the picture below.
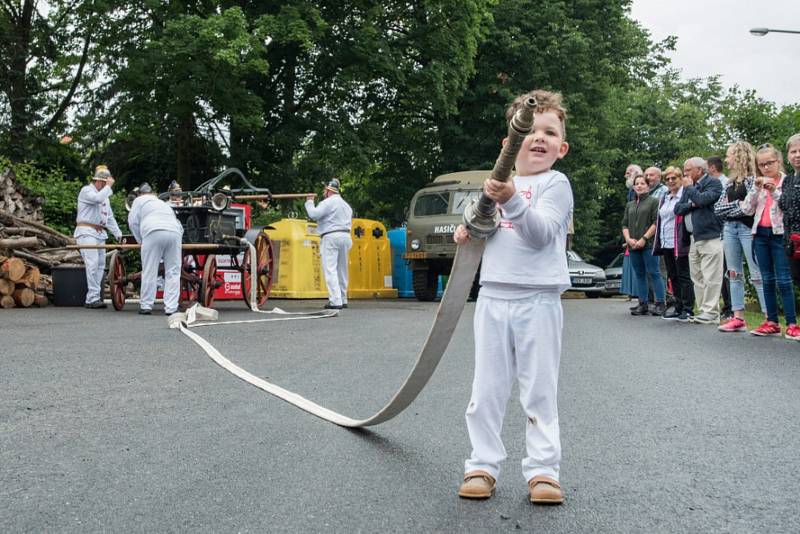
(518, 316)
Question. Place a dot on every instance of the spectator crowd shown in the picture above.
(712, 233)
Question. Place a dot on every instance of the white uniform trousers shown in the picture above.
(335, 251)
(516, 339)
(95, 262)
(156, 246)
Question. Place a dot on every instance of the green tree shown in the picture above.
(43, 53)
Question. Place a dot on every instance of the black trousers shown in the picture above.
(678, 273)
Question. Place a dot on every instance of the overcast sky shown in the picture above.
(714, 38)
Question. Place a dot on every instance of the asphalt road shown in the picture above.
(111, 422)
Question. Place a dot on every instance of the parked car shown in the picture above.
(614, 275)
(585, 277)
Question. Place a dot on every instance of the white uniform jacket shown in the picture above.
(332, 214)
(149, 214)
(95, 208)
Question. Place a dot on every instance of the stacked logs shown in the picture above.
(35, 243)
(29, 250)
(16, 200)
(21, 285)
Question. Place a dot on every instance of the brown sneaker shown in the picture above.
(477, 485)
(545, 490)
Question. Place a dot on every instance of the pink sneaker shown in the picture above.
(767, 328)
(735, 324)
(792, 332)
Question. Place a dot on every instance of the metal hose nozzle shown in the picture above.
(481, 217)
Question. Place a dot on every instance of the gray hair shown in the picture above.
(793, 140)
(635, 167)
(697, 161)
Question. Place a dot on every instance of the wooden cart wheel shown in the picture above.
(265, 263)
(210, 284)
(116, 280)
(190, 281)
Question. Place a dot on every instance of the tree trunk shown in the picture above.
(7, 302)
(183, 151)
(17, 77)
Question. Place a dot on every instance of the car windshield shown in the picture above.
(573, 256)
(617, 261)
(462, 199)
(431, 204)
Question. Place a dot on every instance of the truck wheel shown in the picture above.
(425, 284)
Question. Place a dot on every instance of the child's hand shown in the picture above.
(461, 235)
(500, 192)
(759, 183)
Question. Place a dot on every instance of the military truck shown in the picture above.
(436, 211)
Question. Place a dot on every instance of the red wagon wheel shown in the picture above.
(116, 280)
(190, 281)
(210, 284)
(265, 261)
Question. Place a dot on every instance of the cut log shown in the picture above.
(32, 275)
(41, 301)
(7, 301)
(49, 239)
(40, 261)
(6, 287)
(19, 242)
(24, 297)
(10, 220)
(14, 269)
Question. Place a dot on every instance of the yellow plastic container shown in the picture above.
(370, 272)
(299, 271)
(299, 274)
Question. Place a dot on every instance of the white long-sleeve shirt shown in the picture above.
(149, 214)
(331, 214)
(95, 208)
(528, 251)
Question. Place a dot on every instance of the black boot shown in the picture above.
(641, 309)
(658, 309)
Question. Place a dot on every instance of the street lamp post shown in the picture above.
(761, 32)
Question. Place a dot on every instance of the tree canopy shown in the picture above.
(384, 95)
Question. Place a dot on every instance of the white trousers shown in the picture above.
(334, 250)
(95, 262)
(516, 339)
(705, 268)
(157, 246)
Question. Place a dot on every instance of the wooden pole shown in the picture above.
(280, 196)
(117, 246)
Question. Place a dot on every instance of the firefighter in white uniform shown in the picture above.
(94, 217)
(334, 218)
(154, 225)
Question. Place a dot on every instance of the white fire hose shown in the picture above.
(465, 265)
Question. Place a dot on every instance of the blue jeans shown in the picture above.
(775, 270)
(738, 242)
(644, 263)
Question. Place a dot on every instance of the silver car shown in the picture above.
(585, 277)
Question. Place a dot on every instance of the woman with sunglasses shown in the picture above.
(763, 203)
(672, 242)
(737, 234)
